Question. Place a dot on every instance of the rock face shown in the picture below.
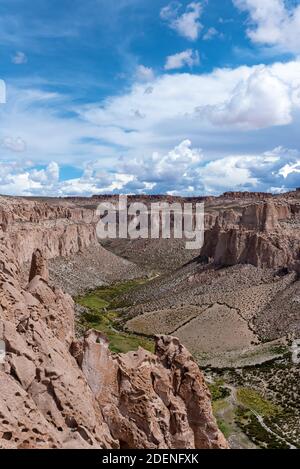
(151, 401)
(60, 229)
(264, 234)
(38, 266)
(59, 392)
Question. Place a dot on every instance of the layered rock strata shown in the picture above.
(58, 392)
(264, 234)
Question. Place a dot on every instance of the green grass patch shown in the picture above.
(252, 400)
(101, 314)
(218, 391)
(224, 427)
(219, 406)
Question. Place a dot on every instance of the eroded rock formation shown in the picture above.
(59, 229)
(263, 233)
(59, 392)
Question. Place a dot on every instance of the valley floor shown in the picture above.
(254, 387)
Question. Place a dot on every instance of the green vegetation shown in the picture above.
(101, 313)
(279, 350)
(250, 425)
(224, 427)
(252, 400)
(220, 406)
(218, 391)
(252, 403)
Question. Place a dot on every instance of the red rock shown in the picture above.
(263, 234)
(68, 393)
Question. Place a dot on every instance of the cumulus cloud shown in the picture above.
(187, 58)
(21, 179)
(19, 58)
(166, 172)
(274, 23)
(181, 170)
(262, 172)
(227, 112)
(245, 98)
(186, 170)
(159, 172)
(49, 175)
(186, 24)
(262, 100)
(290, 168)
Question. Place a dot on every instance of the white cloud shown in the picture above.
(14, 144)
(274, 23)
(132, 133)
(44, 133)
(186, 24)
(144, 73)
(264, 99)
(187, 58)
(182, 170)
(210, 34)
(16, 179)
(50, 175)
(19, 58)
(225, 173)
(173, 164)
(186, 169)
(236, 99)
(290, 168)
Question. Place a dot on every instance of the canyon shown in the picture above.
(59, 391)
(234, 305)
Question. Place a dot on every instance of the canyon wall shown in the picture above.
(257, 229)
(60, 229)
(58, 391)
(264, 234)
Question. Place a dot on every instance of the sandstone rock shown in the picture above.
(263, 234)
(152, 401)
(38, 266)
(97, 365)
(23, 369)
(68, 393)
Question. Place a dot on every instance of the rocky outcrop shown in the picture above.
(38, 266)
(234, 195)
(264, 234)
(58, 392)
(151, 401)
(59, 229)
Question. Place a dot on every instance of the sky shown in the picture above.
(149, 96)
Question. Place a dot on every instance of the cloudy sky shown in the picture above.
(149, 96)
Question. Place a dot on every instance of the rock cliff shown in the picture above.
(60, 229)
(62, 392)
(263, 233)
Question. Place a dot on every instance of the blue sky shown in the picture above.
(140, 96)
